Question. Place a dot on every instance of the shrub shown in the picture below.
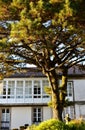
(32, 127)
(52, 124)
(76, 125)
(15, 129)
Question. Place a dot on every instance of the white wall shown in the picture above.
(77, 111)
(79, 89)
(20, 116)
(79, 95)
(80, 111)
(47, 113)
(23, 115)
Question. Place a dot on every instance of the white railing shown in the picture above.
(22, 99)
(36, 98)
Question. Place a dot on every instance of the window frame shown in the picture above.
(36, 115)
(5, 118)
(37, 89)
(70, 89)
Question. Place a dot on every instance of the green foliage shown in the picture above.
(15, 129)
(78, 7)
(32, 127)
(68, 103)
(52, 124)
(42, 33)
(76, 125)
(47, 90)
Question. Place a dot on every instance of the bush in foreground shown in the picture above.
(76, 125)
(51, 124)
(54, 124)
(32, 127)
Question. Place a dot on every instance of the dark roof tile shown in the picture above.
(34, 72)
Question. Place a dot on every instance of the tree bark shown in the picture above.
(58, 93)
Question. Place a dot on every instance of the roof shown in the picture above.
(76, 71)
(29, 72)
(35, 72)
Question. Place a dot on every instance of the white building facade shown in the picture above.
(23, 100)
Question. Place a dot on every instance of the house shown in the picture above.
(23, 100)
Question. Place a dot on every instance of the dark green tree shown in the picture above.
(43, 33)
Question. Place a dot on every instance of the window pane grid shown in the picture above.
(37, 89)
(19, 89)
(5, 118)
(11, 88)
(45, 83)
(28, 89)
(37, 115)
(69, 89)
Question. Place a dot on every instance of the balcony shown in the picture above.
(27, 99)
(31, 99)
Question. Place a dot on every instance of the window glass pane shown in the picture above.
(37, 115)
(7, 110)
(19, 89)
(5, 114)
(37, 89)
(3, 110)
(11, 88)
(39, 110)
(5, 119)
(69, 88)
(4, 83)
(28, 89)
(4, 89)
(45, 83)
(34, 110)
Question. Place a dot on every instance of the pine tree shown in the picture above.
(43, 33)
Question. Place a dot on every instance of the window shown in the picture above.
(5, 118)
(37, 115)
(69, 88)
(4, 90)
(37, 89)
(45, 83)
(19, 89)
(28, 89)
(8, 89)
(11, 88)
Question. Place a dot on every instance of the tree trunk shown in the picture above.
(56, 106)
(58, 93)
